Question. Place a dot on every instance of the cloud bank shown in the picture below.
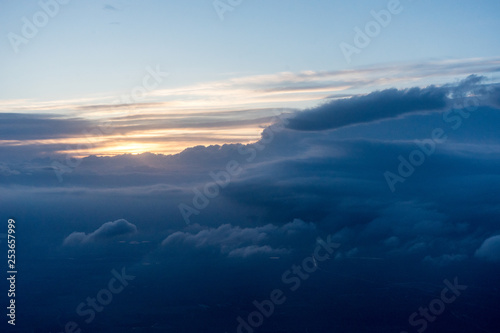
(374, 106)
(296, 185)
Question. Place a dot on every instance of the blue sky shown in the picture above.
(88, 50)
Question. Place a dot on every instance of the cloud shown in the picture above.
(224, 235)
(41, 135)
(236, 241)
(490, 249)
(20, 126)
(108, 230)
(445, 259)
(372, 107)
(5, 170)
(308, 87)
(237, 106)
(495, 96)
(257, 250)
(333, 179)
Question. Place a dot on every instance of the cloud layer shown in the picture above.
(294, 187)
(170, 120)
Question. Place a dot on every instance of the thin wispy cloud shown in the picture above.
(238, 107)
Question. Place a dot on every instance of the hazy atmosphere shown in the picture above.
(250, 166)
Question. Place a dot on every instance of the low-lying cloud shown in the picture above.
(235, 241)
(490, 249)
(108, 230)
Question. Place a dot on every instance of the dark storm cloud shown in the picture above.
(321, 177)
(395, 246)
(372, 107)
(16, 126)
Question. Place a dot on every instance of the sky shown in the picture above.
(87, 60)
(250, 166)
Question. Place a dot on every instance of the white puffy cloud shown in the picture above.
(107, 230)
(490, 249)
(236, 241)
